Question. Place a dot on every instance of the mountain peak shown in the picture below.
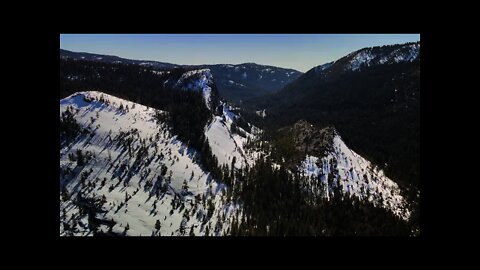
(198, 80)
(373, 56)
(380, 55)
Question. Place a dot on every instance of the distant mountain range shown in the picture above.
(235, 83)
(113, 59)
(245, 81)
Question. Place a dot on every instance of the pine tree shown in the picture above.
(185, 186)
(80, 158)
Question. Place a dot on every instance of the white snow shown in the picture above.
(146, 63)
(225, 144)
(412, 54)
(156, 72)
(235, 83)
(178, 158)
(362, 58)
(261, 113)
(406, 53)
(202, 80)
(357, 177)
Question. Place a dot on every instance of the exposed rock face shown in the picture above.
(312, 140)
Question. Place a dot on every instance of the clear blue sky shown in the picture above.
(297, 51)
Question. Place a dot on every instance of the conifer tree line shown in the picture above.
(69, 128)
(376, 110)
(276, 204)
(187, 113)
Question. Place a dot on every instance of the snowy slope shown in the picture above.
(369, 57)
(355, 176)
(225, 144)
(136, 177)
(197, 80)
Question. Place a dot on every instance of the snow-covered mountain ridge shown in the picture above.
(369, 57)
(330, 164)
(198, 80)
(355, 176)
(225, 144)
(142, 172)
(151, 184)
(373, 56)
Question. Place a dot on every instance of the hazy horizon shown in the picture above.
(296, 51)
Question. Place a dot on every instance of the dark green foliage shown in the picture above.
(233, 128)
(284, 147)
(209, 160)
(65, 194)
(80, 158)
(272, 78)
(164, 170)
(239, 125)
(248, 75)
(376, 111)
(185, 186)
(187, 112)
(241, 122)
(69, 127)
(188, 117)
(136, 83)
(91, 207)
(275, 205)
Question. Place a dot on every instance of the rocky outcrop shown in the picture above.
(312, 140)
